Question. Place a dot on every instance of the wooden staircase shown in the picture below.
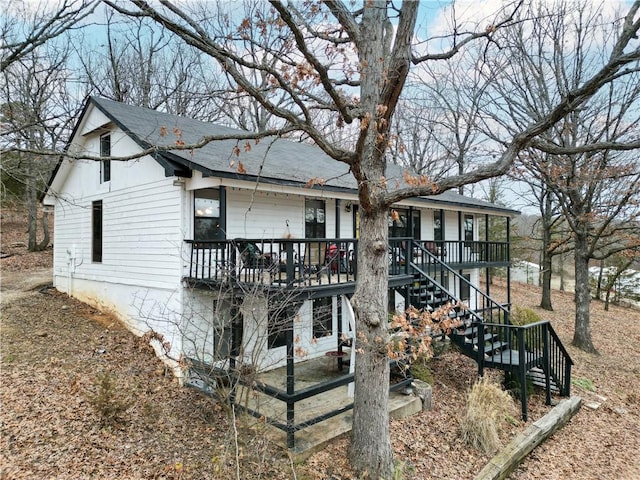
(525, 353)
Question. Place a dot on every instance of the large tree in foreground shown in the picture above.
(353, 62)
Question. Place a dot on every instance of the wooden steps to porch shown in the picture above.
(531, 353)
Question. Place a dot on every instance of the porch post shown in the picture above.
(290, 387)
(460, 237)
(487, 271)
(338, 213)
(509, 260)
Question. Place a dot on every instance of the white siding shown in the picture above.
(140, 273)
(264, 215)
(451, 230)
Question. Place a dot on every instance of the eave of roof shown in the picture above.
(283, 167)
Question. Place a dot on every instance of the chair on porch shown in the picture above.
(251, 257)
(313, 262)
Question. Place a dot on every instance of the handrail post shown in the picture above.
(522, 371)
(547, 362)
(567, 378)
(290, 265)
(408, 255)
(232, 254)
(480, 345)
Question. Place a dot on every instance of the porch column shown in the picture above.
(338, 213)
(487, 271)
(509, 260)
(290, 386)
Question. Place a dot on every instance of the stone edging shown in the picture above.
(510, 457)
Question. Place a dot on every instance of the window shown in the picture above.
(468, 228)
(314, 219)
(406, 223)
(465, 288)
(105, 151)
(206, 222)
(96, 231)
(438, 225)
(322, 317)
(279, 323)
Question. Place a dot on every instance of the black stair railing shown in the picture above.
(423, 260)
(519, 349)
(492, 340)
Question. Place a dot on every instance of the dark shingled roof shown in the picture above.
(273, 160)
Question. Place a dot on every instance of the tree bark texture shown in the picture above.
(545, 302)
(547, 263)
(372, 455)
(370, 414)
(32, 209)
(582, 336)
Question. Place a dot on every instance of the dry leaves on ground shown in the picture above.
(55, 348)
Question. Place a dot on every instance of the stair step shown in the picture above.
(537, 377)
(472, 332)
(495, 346)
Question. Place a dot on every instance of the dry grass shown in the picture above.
(488, 409)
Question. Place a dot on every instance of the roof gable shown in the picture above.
(272, 160)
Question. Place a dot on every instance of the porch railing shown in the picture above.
(429, 264)
(464, 252)
(284, 262)
(530, 346)
(319, 261)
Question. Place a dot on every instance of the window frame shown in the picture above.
(316, 228)
(105, 151)
(218, 222)
(468, 221)
(410, 223)
(279, 322)
(97, 229)
(438, 225)
(322, 317)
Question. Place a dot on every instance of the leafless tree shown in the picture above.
(26, 26)
(548, 59)
(438, 126)
(37, 112)
(140, 65)
(353, 63)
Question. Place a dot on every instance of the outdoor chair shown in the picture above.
(250, 256)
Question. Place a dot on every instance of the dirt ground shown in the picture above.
(55, 350)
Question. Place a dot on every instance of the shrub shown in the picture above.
(422, 371)
(524, 316)
(107, 402)
(487, 409)
(512, 384)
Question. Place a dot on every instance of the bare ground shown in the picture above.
(53, 350)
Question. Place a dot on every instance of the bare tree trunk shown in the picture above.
(582, 336)
(562, 272)
(599, 286)
(32, 212)
(45, 230)
(370, 413)
(545, 302)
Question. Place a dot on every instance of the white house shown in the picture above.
(206, 246)
(121, 226)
